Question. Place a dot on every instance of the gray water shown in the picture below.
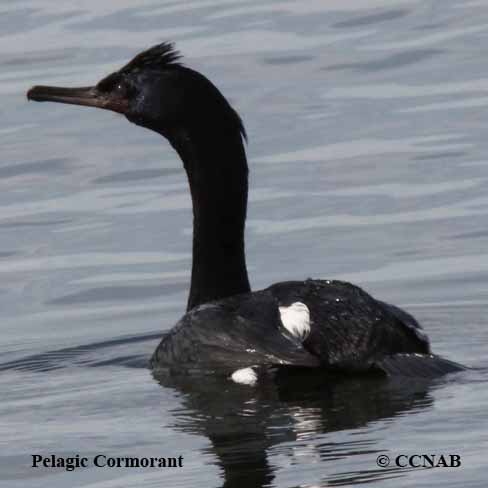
(367, 147)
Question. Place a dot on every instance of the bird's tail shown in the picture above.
(417, 365)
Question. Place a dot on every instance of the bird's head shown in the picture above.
(154, 90)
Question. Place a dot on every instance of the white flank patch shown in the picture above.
(296, 320)
(245, 376)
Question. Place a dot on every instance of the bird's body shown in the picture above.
(349, 330)
(312, 324)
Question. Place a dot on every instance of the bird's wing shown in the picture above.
(232, 334)
(349, 328)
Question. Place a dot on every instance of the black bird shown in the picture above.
(314, 323)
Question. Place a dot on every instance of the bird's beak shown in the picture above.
(89, 96)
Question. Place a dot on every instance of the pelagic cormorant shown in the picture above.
(331, 325)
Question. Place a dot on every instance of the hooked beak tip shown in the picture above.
(31, 93)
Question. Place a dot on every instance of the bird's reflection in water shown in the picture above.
(243, 422)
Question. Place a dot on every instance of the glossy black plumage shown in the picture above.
(227, 326)
(350, 330)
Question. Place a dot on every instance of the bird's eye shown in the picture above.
(123, 89)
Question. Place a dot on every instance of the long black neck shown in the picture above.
(218, 175)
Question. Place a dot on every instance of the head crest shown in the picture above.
(159, 57)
